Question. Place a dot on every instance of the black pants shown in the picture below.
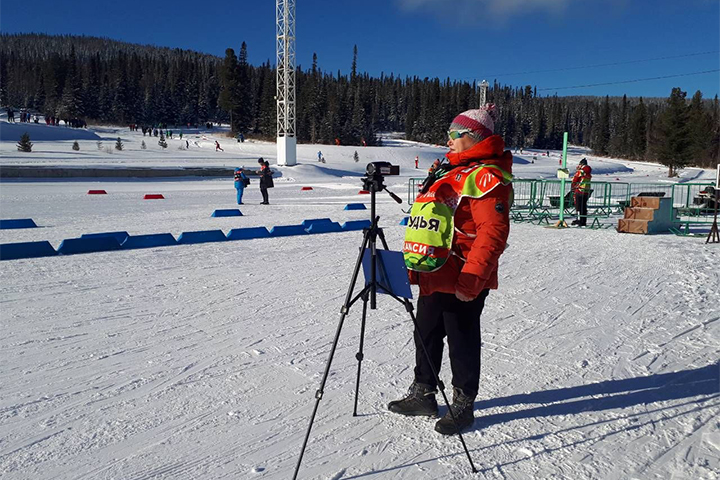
(442, 315)
(581, 201)
(264, 190)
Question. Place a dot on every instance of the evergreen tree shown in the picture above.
(142, 145)
(118, 144)
(356, 157)
(638, 131)
(701, 131)
(601, 133)
(715, 143)
(71, 105)
(162, 141)
(76, 146)
(672, 141)
(244, 92)
(229, 84)
(24, 144)
(353, 69)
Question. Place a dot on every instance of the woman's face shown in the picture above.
(461, 144)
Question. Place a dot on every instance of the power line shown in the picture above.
(630, 81)
(602, 64)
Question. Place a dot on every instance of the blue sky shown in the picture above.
(460, 39)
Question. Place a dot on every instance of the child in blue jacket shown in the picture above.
(241, 181)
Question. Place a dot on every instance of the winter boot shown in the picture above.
(462, 406)
(420, 400)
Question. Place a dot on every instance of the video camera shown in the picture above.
(375, 172)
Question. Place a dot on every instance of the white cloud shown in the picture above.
(476, 9)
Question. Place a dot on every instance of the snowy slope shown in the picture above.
(600, 350)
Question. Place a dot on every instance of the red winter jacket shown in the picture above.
(481, 230)
(581, 180)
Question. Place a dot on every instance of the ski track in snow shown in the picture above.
(600, 350)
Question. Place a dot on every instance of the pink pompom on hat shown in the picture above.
(480, 122)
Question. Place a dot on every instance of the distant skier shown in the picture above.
(320, 156)
(217, 146)
(417, 160)
(581, 188)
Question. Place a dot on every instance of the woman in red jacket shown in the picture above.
(457, 231)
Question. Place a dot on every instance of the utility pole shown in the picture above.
(285, 47)
(483, 92)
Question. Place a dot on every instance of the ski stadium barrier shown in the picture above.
(119, 236)
(73, 246)
(248, 233)
(202, 236)
(17, 223)
(97, 192)
(324, 228)
(363, 192)
(355, 206)
(15, 251)
(149, 241)
(110, 241)
(287, 230)
(153, 196)
(306, 188)
(356, 225)
(232, 212)
(307, 223)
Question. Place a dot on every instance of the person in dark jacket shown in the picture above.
(266, 180)
(466, 203)
(241, 181)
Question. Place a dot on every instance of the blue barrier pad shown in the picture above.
(119, 236)
(355, 206)
(232, 212)
(13, 251)
(324, 227)
(17, 223)
(202, 236)
(287, 230)
(72, 246)
(404, 221)
(307, 223)
(356, 225)
(149, 241)
(248, 233)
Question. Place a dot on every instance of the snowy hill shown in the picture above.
(600, 350)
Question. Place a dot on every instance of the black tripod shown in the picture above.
(374, 183)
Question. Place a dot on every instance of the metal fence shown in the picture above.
(538, 200)
(693, 204)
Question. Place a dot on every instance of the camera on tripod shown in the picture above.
(375, 173)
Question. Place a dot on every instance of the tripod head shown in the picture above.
(374, 179)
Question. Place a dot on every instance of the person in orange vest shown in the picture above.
(581, 190)
(452, 297)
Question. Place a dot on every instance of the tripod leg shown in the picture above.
(360, 355)
(344, 311)
(441, 387)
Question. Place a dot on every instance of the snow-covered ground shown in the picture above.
(600, 350)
